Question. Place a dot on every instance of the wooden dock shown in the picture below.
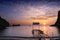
(27, 38)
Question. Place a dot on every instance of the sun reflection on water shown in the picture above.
(48, 30)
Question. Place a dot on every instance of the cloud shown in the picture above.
(25, 10)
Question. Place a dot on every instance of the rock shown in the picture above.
(35, 23)
(58, 20)
(3, 23)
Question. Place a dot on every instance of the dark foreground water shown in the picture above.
(26, 31)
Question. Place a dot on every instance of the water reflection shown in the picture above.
(58, 27)
(27, 30)
(2, 31)
(49, 30)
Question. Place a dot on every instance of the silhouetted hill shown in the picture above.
(57, 24)
(58, 20)
(16, 25)
(3, 23)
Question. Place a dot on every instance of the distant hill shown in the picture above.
(3, 23)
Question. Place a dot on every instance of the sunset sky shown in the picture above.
(28, 11)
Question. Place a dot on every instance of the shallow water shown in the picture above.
(26, 31)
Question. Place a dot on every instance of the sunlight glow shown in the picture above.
(42, 21)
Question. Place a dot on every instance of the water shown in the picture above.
(26, 31)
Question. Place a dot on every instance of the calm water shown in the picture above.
(26, 31)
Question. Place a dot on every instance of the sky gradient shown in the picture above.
(28, 11)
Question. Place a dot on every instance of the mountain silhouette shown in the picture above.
(57, 24)
(58, 20)
(3, 23)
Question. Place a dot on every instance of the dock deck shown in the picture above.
(27, 38)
